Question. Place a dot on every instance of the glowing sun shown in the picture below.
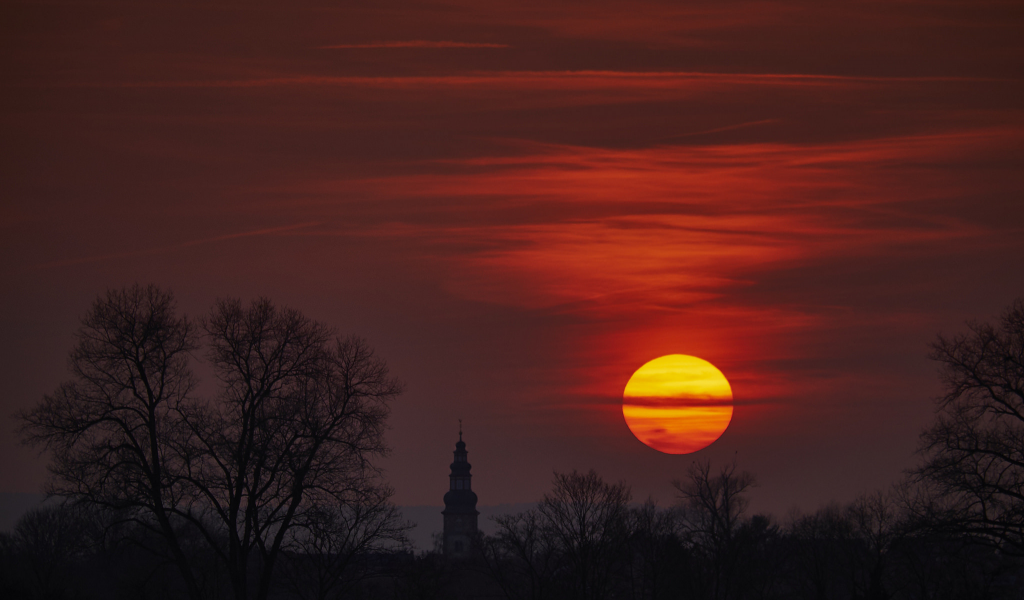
(677, 404)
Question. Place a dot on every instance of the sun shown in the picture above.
(677, 404)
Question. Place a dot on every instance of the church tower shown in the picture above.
(460, 513)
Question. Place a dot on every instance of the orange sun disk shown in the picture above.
(677, 404)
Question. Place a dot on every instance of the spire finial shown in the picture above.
(460, 430)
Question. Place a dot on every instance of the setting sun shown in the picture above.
(677, 404)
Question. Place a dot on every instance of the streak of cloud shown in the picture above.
(662, 239)
(552, 80)
(427, 44)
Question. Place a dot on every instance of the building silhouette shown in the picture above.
(460, 513)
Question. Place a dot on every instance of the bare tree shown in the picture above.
(821, 551)
(299, 418)
(714, 504)
(337, 545)
(973, 456)
(110, 429)
(46, 543)
(878, 524)
(521, 558)
(656, 553)
(587, 519)
(713, 507)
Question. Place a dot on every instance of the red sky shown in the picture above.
(518, 204)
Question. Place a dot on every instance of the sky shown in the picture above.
(519, 203)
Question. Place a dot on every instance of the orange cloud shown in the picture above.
(662, 227)
(658, 244)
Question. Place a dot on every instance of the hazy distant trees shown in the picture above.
(973, 463)
(39, 555)
(279, 459)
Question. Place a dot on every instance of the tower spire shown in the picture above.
(460, 513)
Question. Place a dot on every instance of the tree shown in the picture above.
(587, 519)
(521, 558)
(878, 525)
(570, 546)
(44, 549)
(820, 548)
(242, 477)
(714, 504)
(657, 559)
(713, 507)
(335, 546)
(973, 455)
(111, 428)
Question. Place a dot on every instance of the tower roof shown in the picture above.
(460, 498)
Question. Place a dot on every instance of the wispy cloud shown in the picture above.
(666, 241)
(552, 80)
(428, 44)
(660, 229)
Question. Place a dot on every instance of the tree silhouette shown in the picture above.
(45, 546)
(335, 544)
(522, 558)
(571, 546)
(973, 455)
(240, 478)
(587, 518)
(713, 506)
(656, 559)
(113, 428)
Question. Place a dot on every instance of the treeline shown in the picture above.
(585, 540)
(71, 550)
